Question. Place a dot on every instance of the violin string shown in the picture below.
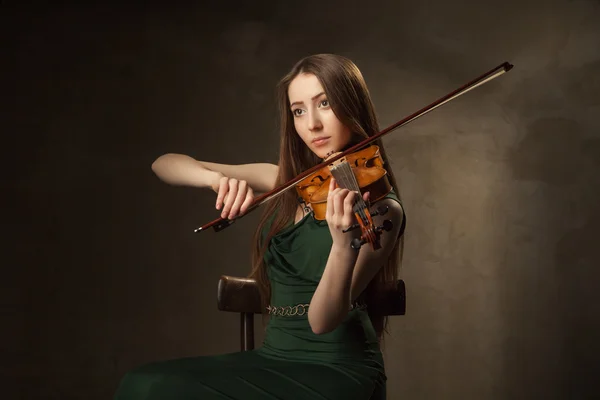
(359, 201)
(340, 176)
(351, 183)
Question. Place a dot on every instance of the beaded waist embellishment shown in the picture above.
(301, 309)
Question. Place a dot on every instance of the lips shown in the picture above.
(320, 140)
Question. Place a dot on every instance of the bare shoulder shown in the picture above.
(394, 212)
(261, 177)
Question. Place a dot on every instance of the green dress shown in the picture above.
(293, 362)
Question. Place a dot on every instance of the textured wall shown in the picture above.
(102, 271)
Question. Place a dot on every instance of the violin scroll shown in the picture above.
(357, 243)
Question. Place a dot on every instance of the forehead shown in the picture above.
(303, 87)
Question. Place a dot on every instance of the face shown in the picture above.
(314, 119)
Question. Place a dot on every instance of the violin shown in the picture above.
(357, 167)
(361, 171)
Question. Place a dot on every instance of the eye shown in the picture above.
(297, 112)
(324, 103)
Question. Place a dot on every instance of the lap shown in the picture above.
(243, 375)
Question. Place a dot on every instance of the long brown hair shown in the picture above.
(351, 102)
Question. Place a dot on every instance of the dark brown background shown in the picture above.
(101, 271)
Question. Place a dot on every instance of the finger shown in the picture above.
(233, 189)
(247, 201)
(349, 203)
(338, 203)
(329, 206)
(239, 199)
(349, 218)
(223, 186)
(366, 196)
(330, 195)
(333, 194)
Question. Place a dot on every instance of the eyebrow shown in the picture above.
(312, 98)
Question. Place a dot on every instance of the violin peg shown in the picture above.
(352, 227)
(387, 226)
(381, 210)
(357, 243)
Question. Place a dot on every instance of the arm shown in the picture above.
(347, 273)
(369, 261)
(183, 170)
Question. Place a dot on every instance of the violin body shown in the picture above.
(362, 172)
(367, 167)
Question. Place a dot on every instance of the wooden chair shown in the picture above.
(241, 295)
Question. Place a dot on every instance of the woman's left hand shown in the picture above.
(340, 215)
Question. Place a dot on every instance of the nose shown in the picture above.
(314, 122)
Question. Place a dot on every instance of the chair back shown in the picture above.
(241, 295)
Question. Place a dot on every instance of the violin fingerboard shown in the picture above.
(345, 178)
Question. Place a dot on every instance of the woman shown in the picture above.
(332, 350)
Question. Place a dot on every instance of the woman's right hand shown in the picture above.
(234, 196)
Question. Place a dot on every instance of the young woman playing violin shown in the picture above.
(322, 340)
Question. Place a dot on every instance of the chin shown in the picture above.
(319, 152)
(322, 153)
